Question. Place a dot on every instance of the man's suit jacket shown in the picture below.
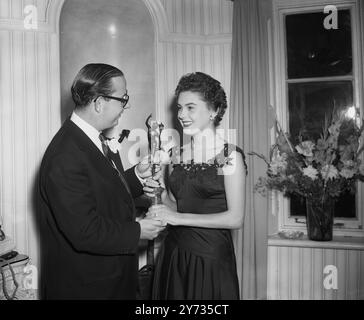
(89, 235)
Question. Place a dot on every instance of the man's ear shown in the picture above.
(98, 105)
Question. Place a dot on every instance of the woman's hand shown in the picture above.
(144, 168)
(154, 182)
(164, 213)
(151, 184)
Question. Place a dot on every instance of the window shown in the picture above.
(318, 70)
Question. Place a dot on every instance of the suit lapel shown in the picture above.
(116, 162)
(100, 161)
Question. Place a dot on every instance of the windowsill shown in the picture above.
(348, 243)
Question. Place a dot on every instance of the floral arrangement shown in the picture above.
(316, 169)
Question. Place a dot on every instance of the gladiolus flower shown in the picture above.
(329, 172)
(310, 172)
(305, 148)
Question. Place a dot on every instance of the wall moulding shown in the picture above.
(163, 33)
(53, 8)
(197, 39)
(18, 25)
(49, 22)
(310, 3)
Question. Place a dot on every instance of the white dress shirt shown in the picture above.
(88, 129)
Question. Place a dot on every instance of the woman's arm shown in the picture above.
(234, 178)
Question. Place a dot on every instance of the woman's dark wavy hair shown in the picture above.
(93, 80)
(209, 88)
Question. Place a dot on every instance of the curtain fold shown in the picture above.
(249, 116)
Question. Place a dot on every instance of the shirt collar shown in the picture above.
(88, 129)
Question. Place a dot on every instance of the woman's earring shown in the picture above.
(212, 118)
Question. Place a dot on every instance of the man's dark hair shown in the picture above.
(209, 88)
(93, 80)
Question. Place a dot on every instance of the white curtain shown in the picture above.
(249, 115)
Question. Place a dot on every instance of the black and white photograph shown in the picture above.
(198, 151)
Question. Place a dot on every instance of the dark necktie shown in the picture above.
(107, 153)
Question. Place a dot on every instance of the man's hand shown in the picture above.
(150, 228)
(165, 214)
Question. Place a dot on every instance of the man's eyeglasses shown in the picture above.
(124, 100)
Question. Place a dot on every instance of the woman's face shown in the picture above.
(194, 113)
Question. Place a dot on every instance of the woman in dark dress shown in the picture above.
(205, 200)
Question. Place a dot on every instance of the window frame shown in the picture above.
(280, 205)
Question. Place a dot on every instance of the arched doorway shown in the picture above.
(120, 33)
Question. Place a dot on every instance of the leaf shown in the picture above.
(360, 151)
(252, 153)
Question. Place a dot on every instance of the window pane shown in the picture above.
(344, 207)
(308, 104)
(313, 51)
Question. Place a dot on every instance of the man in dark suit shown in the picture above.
(89, 232)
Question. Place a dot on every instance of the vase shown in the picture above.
(320, 218)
